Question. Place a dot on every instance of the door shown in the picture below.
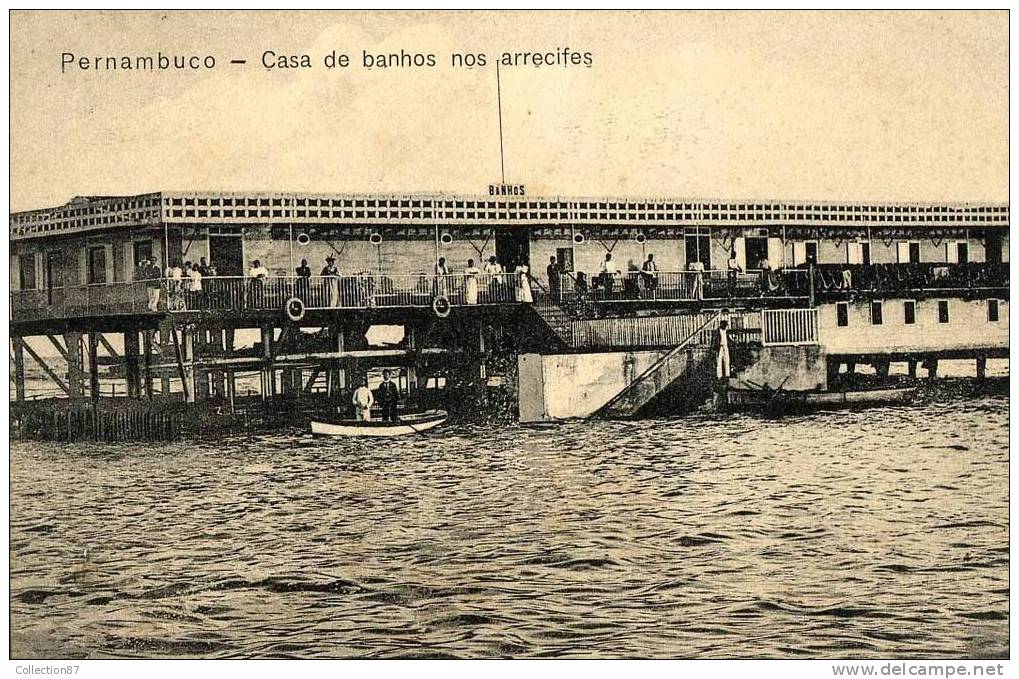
(513, 247)
(756, 250)
(992, 248)
(227, 254)
(698, 249)
(54, 277)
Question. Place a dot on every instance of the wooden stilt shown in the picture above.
(981, 367)
(147, 361)
(93, 365)
(131, 364)
(19, 368)
(72, 340)
(167, 337)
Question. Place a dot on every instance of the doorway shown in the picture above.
(992, 248)
(756, 250)
(54, 277)
(227, 254)
(513, 247)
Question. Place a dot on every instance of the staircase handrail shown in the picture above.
(660, 362)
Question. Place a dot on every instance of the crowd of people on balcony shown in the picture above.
(185, 284)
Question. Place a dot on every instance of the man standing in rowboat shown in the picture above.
(389, 397)
(363, 401)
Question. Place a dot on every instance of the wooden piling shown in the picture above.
(19, 368)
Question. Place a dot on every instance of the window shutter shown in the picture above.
(903, 252)
(83, 265)
(15, 273)
(109, 263)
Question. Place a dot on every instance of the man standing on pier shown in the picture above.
(389, 397)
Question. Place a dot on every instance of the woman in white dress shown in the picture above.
(524, 284)
(441, 278)
(471, 274)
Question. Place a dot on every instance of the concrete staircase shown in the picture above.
(690, 361)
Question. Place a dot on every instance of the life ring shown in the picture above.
(441, 306)
(294, 308)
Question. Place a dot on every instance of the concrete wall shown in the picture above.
(968, 327)
(795, 368)
(563, 386)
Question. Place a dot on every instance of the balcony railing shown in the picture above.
(574, 290)
(240, 294)
(679, 286)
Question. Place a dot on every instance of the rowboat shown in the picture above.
(780, 400)
(407, 424)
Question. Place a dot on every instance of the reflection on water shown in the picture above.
(878, 532)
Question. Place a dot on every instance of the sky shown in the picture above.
(743, 105)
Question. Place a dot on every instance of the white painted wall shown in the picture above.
(967, 328)
(563, 386)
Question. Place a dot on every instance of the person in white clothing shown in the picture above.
(608, 274)
(471, 274)
(722, 366)
(524, 284)
(363, 401)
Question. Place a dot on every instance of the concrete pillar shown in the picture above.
(833, 370)
(981, 367)
(19, 368)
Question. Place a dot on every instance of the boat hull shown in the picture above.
(411, 424)
(791, 401)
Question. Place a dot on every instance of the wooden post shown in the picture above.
(165, 341)
(131, 371)
(410, 334)
(200, 375)
(932, 368)
(72, 340)
(981, 367)
(93, 364)
(268, 371)
(912, 368)
(147, 359)
(188, 354)
(19, 368)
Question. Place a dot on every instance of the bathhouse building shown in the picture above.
(464, 274)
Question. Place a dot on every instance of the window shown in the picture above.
(909, 309)
(97, 265)
(875, 313)
(943, 311)
(564, 256)
(810, 248)
(142, 251)
(842, 314)
(957, 252)
(992, 311)
(909, 252)
(26, 275)
(698, 249)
